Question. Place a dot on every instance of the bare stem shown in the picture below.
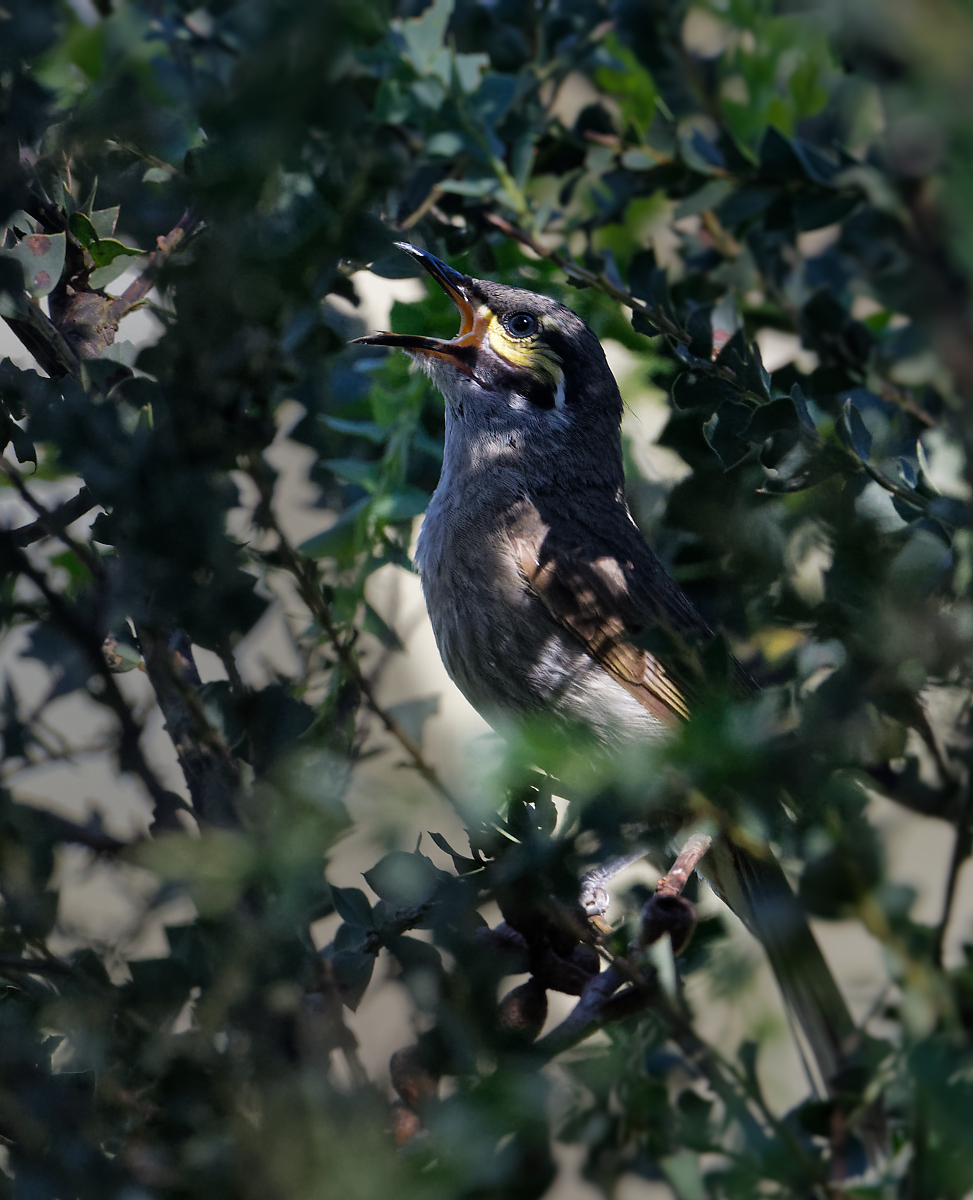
(680, 871)
(139, 288)
(961, 851)
(56, 520)
(52, 521)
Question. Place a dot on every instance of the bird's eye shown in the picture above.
(520, 324)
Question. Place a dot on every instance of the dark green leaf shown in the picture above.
(851, 429)
(351, 904)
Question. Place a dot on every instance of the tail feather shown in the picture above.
(756, 889)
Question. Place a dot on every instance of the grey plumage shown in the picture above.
(539, 583)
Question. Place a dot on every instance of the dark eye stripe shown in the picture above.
(535, 391)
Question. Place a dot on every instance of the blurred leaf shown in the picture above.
(352, 906)
(726, 432)
(412, 715)
(403, 879)
(852, 430)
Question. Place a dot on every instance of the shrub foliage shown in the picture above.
(684, 177)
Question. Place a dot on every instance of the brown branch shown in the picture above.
(84, 553)
(211, 771)
(595, 1009)
(677, 878)
(39, 335)
(136, 291)
(601, 1001)
(55, 520)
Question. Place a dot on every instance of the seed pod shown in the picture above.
(667, 913)
(524, 1010)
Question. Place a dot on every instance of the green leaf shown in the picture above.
(469, 70)
(424, 35)
(366, 429)
(851, 429)
(324, 545)
(106, 250)
(682, 1171)
(42, 257)
(104, 220)
(445, 145)
(377, 627)
(401, 505)
(725, 432)
(353, 972)
(351, 904)
(696, 389)
(403, 879)
(353, 470)
(413, 714)
(82, 229)
(484, 186)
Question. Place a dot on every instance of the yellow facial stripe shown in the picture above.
(529, 353)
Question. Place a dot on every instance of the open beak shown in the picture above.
(461, 350)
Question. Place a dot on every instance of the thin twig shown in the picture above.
(59, 518)
(600, 1001)
(576, 270)
(677, 878)
(55, 524)
(309, 590)
(130, 753)
(961, 851)
(136, 291)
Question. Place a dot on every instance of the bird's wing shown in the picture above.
(598, 598)
(606, 597)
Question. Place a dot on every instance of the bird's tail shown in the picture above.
(756, 889)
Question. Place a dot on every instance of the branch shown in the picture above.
(680, 871)
(961, 852)
(131, 757)
(44, 341)
(594, 1010)
(83, 552)
(211, 771)
(136, 291)
(601, 1001)
(55, 520)
(305, 575)
(576, 271)
(34, 966)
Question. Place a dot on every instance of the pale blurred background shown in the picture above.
(111, 905)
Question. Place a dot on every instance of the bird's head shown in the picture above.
(524, 372)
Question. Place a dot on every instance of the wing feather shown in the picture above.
(591, 598)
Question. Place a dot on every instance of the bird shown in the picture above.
(543, 593)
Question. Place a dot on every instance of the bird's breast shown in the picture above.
(499, 643)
